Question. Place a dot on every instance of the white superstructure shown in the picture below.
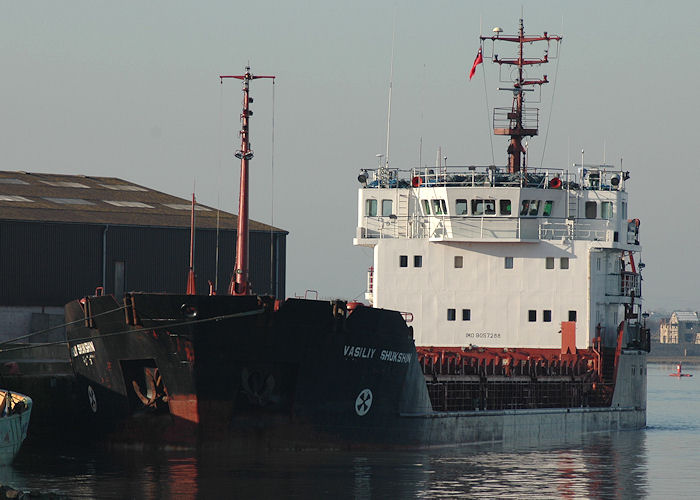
(503, 257)
(479, 256)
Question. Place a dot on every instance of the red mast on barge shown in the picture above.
(518, 122)
(191, 287)
(239, 281)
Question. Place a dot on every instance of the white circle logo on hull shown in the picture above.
(92, 398)
(363, 402)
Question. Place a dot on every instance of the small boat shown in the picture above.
(679, 372)
(15, 409)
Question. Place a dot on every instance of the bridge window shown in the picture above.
(461, 207)
(623, 210)
(483, 207)
(606, 210)
(504, 207)
(525, 208)
(508, 264)
(534, 207)
(466, 314)
(547, 316)
(459, 261)
(547, 210)
(530, 207)
(451, 314)
(417, 261)
(591, 210)
(371, 208)
(387, 206)
(426, 207)
(403, 260)
(549, 263)
(564, 263)
(439, 207)
(572, 315)
(532, 315)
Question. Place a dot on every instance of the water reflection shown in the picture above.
(606, 466)
(601, 466)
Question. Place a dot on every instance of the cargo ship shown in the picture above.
(504, 304)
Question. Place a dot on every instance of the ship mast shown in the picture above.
(239, 281)
(517, 121)
(191, 288)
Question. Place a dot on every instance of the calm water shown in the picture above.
(659, 462)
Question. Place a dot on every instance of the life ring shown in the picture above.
(555, 183)
(416, 182)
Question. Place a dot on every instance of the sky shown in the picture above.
(131, 90)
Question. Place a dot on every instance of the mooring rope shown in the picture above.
(137, 330)
(4, 342)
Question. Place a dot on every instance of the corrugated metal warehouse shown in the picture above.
(62, 236)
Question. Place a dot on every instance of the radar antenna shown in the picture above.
(517, 121)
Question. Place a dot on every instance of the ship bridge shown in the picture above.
(489, 204)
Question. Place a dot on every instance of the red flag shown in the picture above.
(477, 61)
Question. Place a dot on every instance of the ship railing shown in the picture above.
(473, 228)
(623, 284)
(505, 119)
(465, 176)
(576, 229)
(488, 176)
(585, 177)
(462, 227)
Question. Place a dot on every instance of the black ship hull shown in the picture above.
(248, 372)
(173, 369)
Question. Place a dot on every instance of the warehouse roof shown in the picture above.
(29, 196)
